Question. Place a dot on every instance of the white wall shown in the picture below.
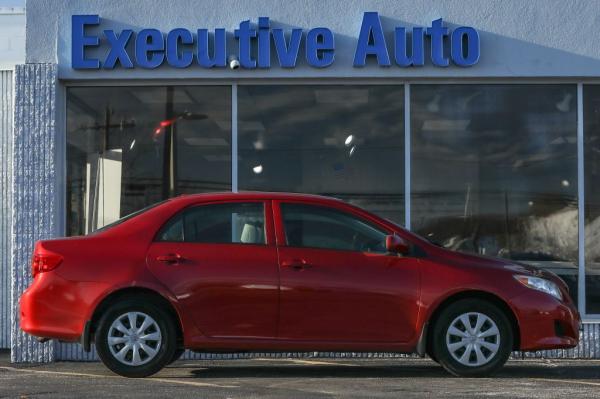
(6, 129)
(12, 52)
(518, 38)
(12, 37)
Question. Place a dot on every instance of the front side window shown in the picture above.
(235, 223)
(319, 227)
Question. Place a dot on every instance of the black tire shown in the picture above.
(168, 335)
(177, 355)
(432, 357)
(494, 361)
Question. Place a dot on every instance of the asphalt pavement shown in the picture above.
(302, 378)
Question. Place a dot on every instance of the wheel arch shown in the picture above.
(147, 294)
(469, 294)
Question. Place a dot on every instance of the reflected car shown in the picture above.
(277, 272)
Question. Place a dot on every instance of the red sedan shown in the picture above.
(234, 272)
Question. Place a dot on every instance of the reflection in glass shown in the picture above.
(128, 147)
(494, 171)
(591, 131)
(313, 226)
(235, 223)
(342, 141)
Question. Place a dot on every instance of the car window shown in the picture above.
(321, 227)
(242, 223)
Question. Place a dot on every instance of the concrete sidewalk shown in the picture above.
(302, 378)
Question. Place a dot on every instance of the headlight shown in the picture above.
(540, 284)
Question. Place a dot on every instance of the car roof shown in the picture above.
(242, 195)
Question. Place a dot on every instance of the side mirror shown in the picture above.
(396, 245)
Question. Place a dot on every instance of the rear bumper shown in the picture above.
(546, 323)
(53, 307)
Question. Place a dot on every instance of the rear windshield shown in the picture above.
(127, 217)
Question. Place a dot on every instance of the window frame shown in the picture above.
(402, 113)
(484, 222)
(65, 93)
(267, 215)
(408, 84)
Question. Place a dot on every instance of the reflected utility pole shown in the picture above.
(170, 148)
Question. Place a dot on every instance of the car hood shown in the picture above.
(510, 266)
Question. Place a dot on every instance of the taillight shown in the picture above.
(44, 262)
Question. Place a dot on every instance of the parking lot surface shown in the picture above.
(302, 378)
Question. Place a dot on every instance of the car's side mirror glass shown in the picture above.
(396, 245)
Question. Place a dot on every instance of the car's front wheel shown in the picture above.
(135, 338)
(472, 338)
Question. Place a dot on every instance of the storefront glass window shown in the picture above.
(341, 141)
(129, 147)
(591, 131)
(494, 171)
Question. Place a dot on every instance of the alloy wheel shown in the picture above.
(134, 338)
(473, 339)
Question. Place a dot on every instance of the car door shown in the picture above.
(337, 281)
(220, 261)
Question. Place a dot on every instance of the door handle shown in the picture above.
(296, 264)
(170, 259)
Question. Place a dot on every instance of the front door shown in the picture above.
(338, 283)
(220, 261)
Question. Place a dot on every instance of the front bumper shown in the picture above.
(546, 323)
(53, 307)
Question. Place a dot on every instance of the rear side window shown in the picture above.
(230, 223)
(321, 227)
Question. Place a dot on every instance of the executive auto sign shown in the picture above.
(181, 48)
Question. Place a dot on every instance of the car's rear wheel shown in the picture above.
(472, 338)
(135, 338)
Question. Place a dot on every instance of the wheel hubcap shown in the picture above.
(134, 338)
(473, 339)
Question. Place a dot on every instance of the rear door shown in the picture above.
(337, 281)
(220, 261)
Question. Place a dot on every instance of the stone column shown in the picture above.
(36, 175)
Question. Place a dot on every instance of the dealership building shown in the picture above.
(475, 124)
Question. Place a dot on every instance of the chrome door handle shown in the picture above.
(170, 259)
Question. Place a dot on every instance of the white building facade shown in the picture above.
(473, 123)
(12, 52)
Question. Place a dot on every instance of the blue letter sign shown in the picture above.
(182, 48)
(371, 42)
(319, 47)
(149, 48)
(79, 41)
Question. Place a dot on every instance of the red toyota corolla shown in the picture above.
(234, 272)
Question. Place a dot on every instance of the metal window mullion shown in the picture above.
(581, 203)
(234, 138)
(407, 165)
